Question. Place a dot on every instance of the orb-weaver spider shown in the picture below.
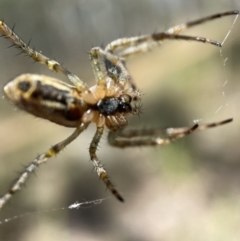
(108, 103)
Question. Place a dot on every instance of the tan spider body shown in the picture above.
(108, 103)
(65, 105)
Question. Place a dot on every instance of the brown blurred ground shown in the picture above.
(186, 191)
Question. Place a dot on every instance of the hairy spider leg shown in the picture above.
(98, 166)
(153, 137)
(42, 158)
(39, 57)
(144, 43)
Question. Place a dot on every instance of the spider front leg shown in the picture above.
(122, 77)
(156, 137)
(179, 28)
(98, 166)
(135, 45)
(39, 57)
(140, 44)
(32, 167)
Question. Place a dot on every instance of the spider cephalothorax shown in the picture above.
(108, 103)
(111, 104)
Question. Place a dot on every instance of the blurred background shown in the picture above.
(189, 190)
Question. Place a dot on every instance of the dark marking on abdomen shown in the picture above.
(50, 93)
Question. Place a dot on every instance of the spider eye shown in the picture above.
(124, 105)
(126, 99)
(24, 86)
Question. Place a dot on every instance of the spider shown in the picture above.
(109, 103)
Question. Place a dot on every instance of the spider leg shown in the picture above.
(133, 138)
(144, 43)
(148, 42)
(39, 57)
(98, 166)
(156, 137)
(179, 28)
(33, 166)
(176, 131)
(123, 77)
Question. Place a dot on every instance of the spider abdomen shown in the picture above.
(47, 98)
